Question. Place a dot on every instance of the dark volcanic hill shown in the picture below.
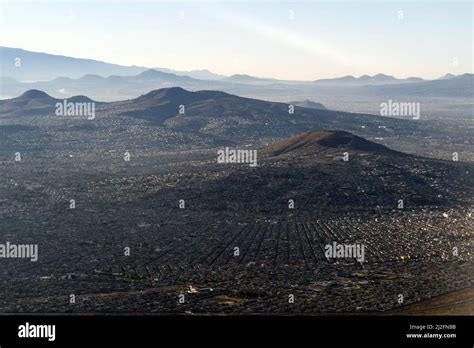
(309, 169)
(36, 102)
(236, 118)
(32, 101)
(312, 141)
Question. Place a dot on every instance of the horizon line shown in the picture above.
(224, 76)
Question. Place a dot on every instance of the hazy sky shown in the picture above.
(286, 40)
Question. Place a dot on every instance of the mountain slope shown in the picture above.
(43, 66)
(308, 104)
(38, 66)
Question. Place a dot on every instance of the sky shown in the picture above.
(297, 40)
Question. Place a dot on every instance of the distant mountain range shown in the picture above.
(200, 74)
(447, 86)
(447, 76)
(23, 65)
(367, 80)
(242, 78)
(450, 96)
(116, 87)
